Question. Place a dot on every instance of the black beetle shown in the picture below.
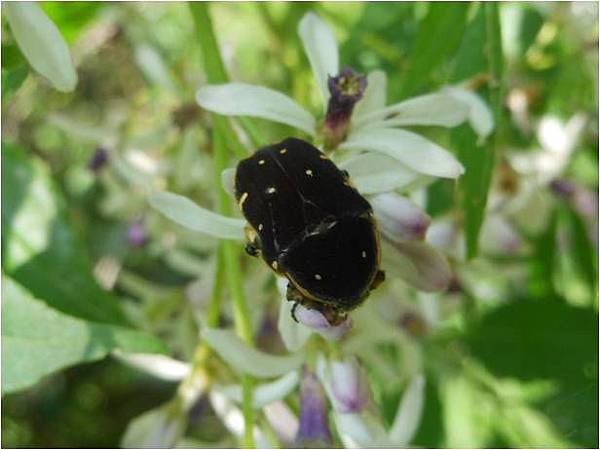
(309, 224)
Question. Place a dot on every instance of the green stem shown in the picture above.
(253, 132)
(494, 49)
(217, 293)
(223, 134)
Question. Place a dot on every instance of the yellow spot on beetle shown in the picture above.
(308, 172)
(260, 227)
(261, 162)
(283, 151)
(364, 254)
(323, 157)
(274, 265)
(318, 277)
(271, 190)
(243, 199)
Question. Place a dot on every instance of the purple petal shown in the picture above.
(314, 424)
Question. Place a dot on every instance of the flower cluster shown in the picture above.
(383, 161)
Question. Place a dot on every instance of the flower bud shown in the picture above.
(346, 89)
(318, 321)
(136, 234)
(499, 236)
(399, 218)
(348, 386)
(314, 425)
(98, 160)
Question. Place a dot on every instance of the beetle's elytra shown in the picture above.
(308, 223)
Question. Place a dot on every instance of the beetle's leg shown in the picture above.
(252, 249)
(294, 311)
(293, 295)
(253, 244)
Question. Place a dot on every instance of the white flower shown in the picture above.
(372, 126)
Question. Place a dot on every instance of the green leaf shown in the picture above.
(543, 261)
(439, 36)
(37, 340)
(12, 79)
(430, 431)
(474, 58)
(72, 20)
(39, 247)
(547, 340)
(583, 254)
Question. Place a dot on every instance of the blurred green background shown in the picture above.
(514, 363)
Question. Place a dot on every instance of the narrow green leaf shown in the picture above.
(438, 38)
(480, 52)
(583, 253)
(543, 261)
(40, 249)
(37, 340)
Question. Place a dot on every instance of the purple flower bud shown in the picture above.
(399, 218)
(314, 425)
(98, 160)
(136, 234)
(346, 89)
(349, 386)
(318, 321)
(563, 188)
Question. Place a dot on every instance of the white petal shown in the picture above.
(498, 235)
(156, 428)
(480, 116)
(444, 234)
(228, 181)
(409, 413)
(264, 393)
(42, 44)
(249, 360)
(441, 109)
(373, 173)
(418, 264)
(361, 431)
(241, 99)
(160, 366)
(559, 138)
(399, 218)
(412, 150)
(153, 66)
(321, 49)
(283, 420)
(374, 97)
(186, 213)
(233, 419)
(349, 385)
(293, 334)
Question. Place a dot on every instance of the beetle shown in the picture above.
(309, 224)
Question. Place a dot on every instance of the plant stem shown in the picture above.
(494, 49)
(223, 134)
(217, 293)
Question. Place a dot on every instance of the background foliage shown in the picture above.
(514, 360)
